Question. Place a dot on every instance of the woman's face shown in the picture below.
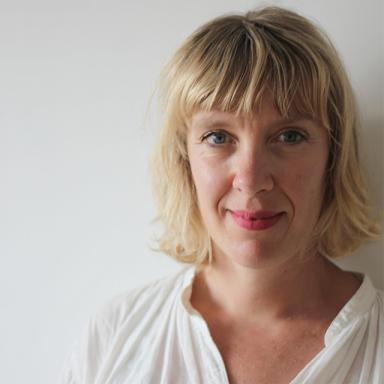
(259, 182)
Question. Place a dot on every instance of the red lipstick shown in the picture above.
(257, 220)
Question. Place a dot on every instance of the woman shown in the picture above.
(257, 180)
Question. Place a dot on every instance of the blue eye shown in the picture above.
(216, 138)
(291, 137)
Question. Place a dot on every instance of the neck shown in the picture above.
(293, 289)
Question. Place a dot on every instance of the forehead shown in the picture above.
(268, 117)
(266, 113)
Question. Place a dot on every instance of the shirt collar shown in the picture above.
(360, 303)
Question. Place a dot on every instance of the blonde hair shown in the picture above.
(229, 64)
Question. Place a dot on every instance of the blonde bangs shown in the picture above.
(230, 64)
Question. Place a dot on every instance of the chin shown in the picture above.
(256, 256)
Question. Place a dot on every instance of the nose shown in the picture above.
(253, 172)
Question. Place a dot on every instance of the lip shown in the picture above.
(256, 220)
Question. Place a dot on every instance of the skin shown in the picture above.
(255, 163)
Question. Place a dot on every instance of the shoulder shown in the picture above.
(368, 302)
(373, 297)
(120, 325)
(151, 297)
(379, 303)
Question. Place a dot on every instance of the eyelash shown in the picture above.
(211, 134)
(303, 137)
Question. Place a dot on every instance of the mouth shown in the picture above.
(257, 220)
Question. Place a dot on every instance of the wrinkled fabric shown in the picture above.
(153, 335)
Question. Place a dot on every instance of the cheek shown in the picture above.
(307, 186)
(210, 178)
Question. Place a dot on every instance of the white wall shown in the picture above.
(75, 206)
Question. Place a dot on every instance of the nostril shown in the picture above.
(253, 183)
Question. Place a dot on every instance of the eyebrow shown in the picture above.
(292, 120)
(210, 123)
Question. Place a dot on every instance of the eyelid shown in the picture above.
(209, 133)
(297, 129)
(300, 131)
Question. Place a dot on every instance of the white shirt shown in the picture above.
(153, 335)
